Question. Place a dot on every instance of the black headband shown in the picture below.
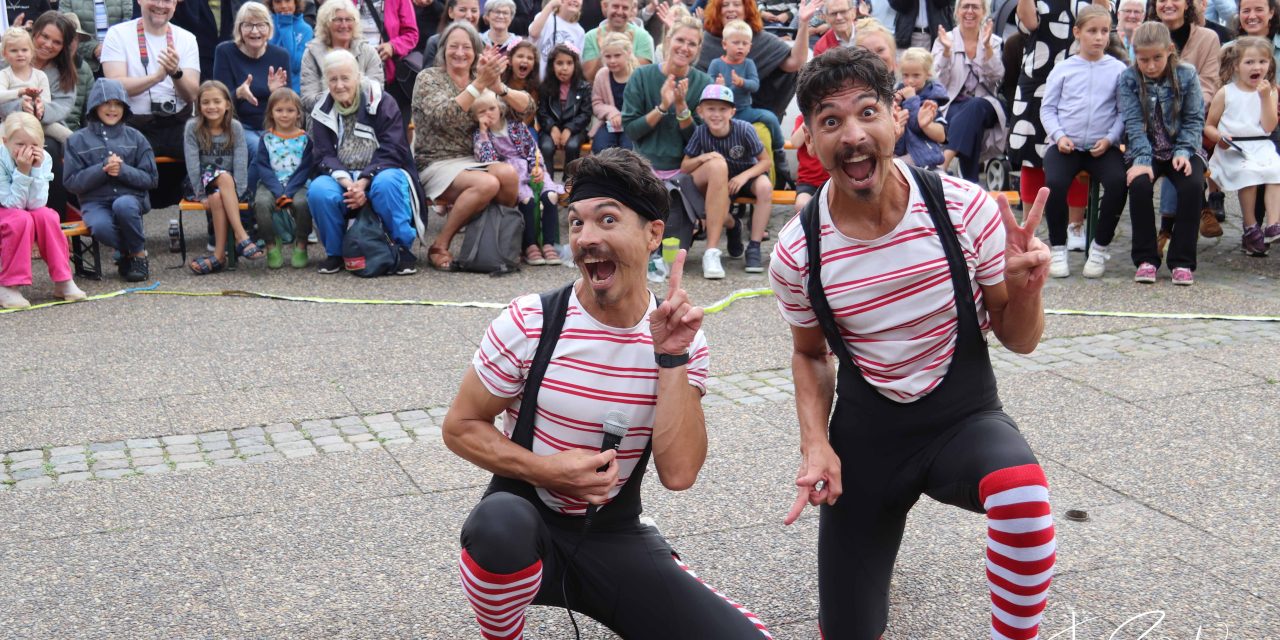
(601, 189)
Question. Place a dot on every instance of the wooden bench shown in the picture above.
(83, 246)
(188, 206)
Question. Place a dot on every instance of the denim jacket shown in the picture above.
(1186, 131)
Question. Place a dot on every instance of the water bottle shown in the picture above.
(175, 243)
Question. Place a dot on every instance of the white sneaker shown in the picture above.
(711, 269)
(657, 271)
(1096, 265)
(1075, 237)
(11, 299)
(1058, 262)
(67, 290)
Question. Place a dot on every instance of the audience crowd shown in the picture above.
(287, 119)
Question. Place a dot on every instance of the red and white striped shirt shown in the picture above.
(892, 296)
(595, 369)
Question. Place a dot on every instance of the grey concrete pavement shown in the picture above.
(240, 468)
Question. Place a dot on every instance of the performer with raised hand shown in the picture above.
(560, 524)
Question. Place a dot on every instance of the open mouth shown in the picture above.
(861, 169)
(600, 271)
(1255, 76)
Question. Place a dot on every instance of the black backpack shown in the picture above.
(491, 242)
(366, 250)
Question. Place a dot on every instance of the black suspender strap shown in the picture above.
(555, 304)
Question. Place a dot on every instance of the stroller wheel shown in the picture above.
(996, 175)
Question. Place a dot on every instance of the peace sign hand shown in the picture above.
(1026, 257)
(674, 323)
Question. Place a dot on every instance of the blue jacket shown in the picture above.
(87, 151)
(923, 150)
(292, 34)
(1185, 122)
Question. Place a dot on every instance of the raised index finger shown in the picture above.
(677, 272)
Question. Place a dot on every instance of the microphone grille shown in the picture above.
(616, 423)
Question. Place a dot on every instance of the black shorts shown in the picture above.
(810, 189)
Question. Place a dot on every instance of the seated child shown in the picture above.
(25, 172)
(21, 81)
(810, 175)
(738, 72)
(283, 157)
(921, 97)
(734, 141)
(111, 167)
(497, 139)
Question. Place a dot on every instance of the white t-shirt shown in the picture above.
(121, 45)
(892, 296)
(558, 31)
(595, 369)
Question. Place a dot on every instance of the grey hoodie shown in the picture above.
(88, 148)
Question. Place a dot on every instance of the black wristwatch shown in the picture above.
(178, 75)
(671, 360)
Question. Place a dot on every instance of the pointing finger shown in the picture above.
(677, 273)
(797, 507)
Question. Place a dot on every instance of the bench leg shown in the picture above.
(1091, 214)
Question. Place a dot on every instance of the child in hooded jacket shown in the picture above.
(110, 166)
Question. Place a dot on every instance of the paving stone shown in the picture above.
(298, 453)
(340, 447)
(328, 440)
(101, 447)
(139, 463)
(283, 427)
(349, 421)
(379, 418)
(223, 454)
(216, 445)
(383, 427)
(179, 440)
(368, 445)
(111, 474)
(115, 463)
(749, 384)
(430, 432)
(265, 457)
(292, 446)
(187, 466)
(764, 391)
(155, 470)
(321, 432)
(67, 458)
(182, 449)
(416, 414)
(438, 412)
(17, 456)
(354, 429)
(35, 463)
(247, 432)
(35, 483)
(750, 400)
(287, 437)
(146, 452)
(67, 451)
(27, 474)
(75, 477)
(360, 437)
(398, 442)
(312, 424)
(186, 458)
(229, 462)
(214, 436)
(250, 441)
(256, 449)
(71, 467)
(142, 443)
(111, 455)
(416, 425)
(4, 477)
(393, 434)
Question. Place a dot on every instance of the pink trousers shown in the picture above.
(18, 230)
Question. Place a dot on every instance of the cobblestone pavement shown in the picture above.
(34, 468)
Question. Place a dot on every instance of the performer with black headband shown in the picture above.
(559, 524)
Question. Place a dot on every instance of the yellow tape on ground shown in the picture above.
(715, 307)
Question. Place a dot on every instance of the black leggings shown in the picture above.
(859, 536)
(550, 223)
(572, 149)
(1186, 228)
(1060, 170)
(627, 578)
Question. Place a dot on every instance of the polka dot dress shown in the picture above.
(1046, 46)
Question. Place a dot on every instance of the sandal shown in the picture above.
(249, 249)
(533, 257)
(551, 255)
(205, 265)
(440, 259)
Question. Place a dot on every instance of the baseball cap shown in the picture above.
(717, 92)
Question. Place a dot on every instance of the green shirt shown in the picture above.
(662, 145)
(641, 42)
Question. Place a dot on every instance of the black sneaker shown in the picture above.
(331, 264)
(407, 265)
(1217, 202)
(754, 262)
(139, 269)
(123, 264)
(735, 240)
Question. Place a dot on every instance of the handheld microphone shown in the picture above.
(615, 426)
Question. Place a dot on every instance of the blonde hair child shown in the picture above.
(609, 83)
(217, 172)
(21, 81)
(25, 219)
(1241, 119)
(922, 98)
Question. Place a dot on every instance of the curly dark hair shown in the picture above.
(1190, 16)
(840, 68)
(625, 169)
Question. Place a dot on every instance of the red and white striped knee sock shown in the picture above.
(1020, 549)
(499, 600)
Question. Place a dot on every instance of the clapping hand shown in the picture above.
(810, 8)
(900, 117)
(927, 113)
(276, 79)
(984, 36)
(112, 165)
(667, 93)
(676, 321)
(737, 79)
(944, 37)
(243, 91)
